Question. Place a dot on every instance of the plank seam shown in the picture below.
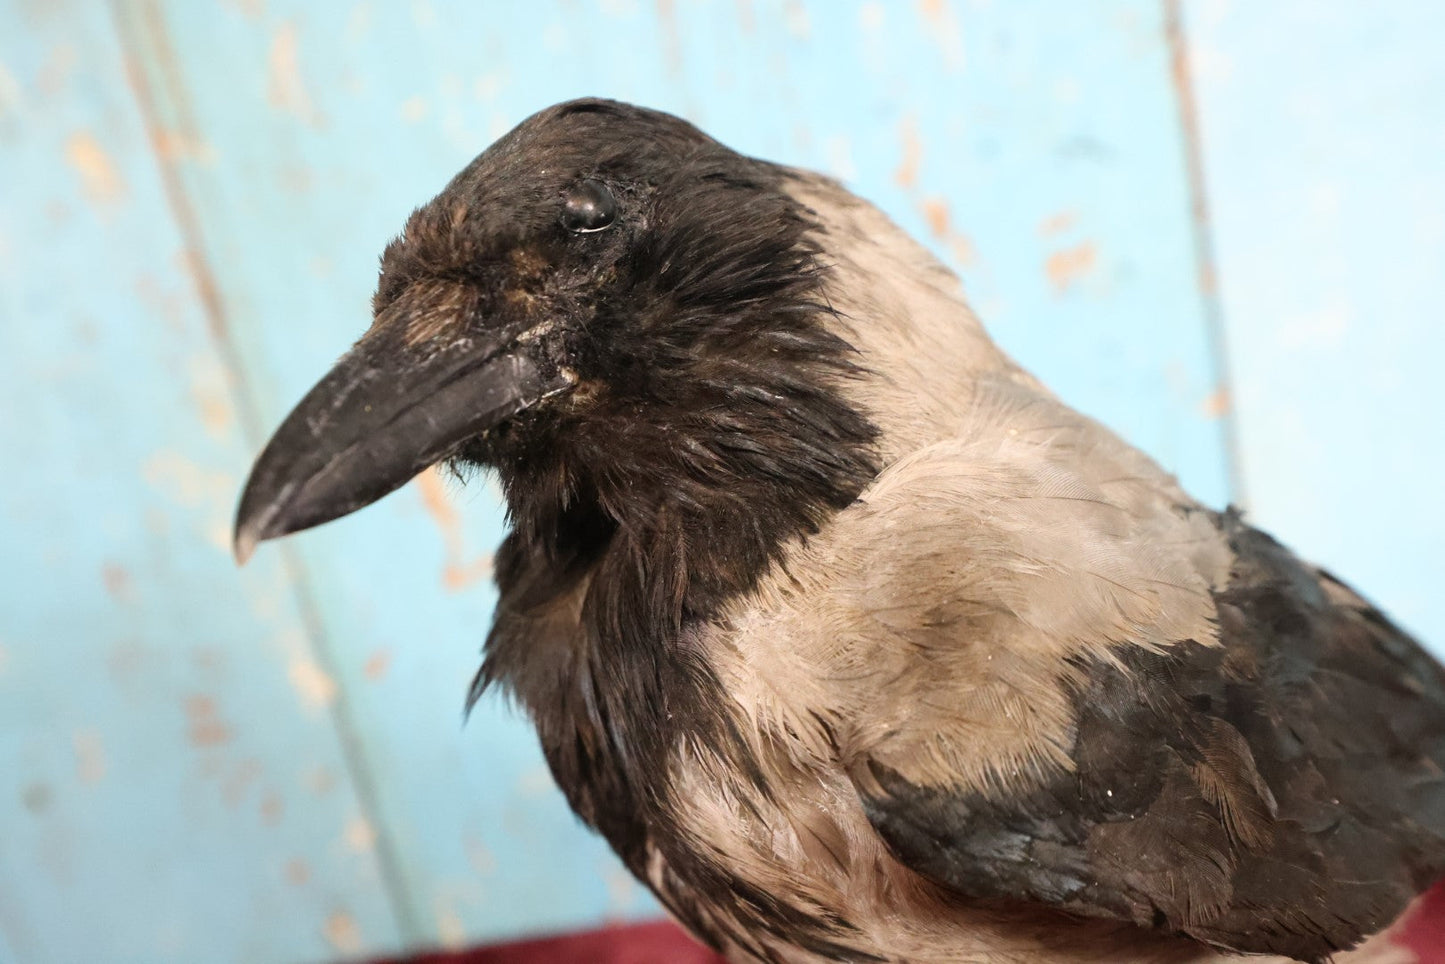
(150, 34)
(1205, 262)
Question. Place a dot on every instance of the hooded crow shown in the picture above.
(853, 641)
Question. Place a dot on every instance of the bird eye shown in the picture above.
(590, 207)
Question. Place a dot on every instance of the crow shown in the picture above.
(853, 641)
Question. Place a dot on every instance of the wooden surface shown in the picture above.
(201, 764)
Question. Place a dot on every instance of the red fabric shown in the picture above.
(1421, 930)
(659, 943)
(1422, 927)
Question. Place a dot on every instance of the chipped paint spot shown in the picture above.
(286, 89)
(204, 725)
(298, 871)
(55, 73)
(795, 20)
(342, 932)
(176, 145)
(10, 98)
(622, 889)
(481, 858)
(239, 781)
(360, 835)
(912, 149)
(98, 174)
(535, 782)
(117, 581)
(413, 110)
(935, 212)
(457, 573)
(944, 28)
(1067, 267)
(187, 482)
(377, 664)
(450, 930)
(358, 23)
(250, 9)
(487, 87)
(1216, 404)
(320, 781)
(746, 21)
(1058, 223)
(272, 809)
(37, 797)
(89, 755)
(315, 687)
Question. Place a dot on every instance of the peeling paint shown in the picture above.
(250, 9)
(451, 931)
(1067, 267)
(55, 73)
(298, 872)
(423, 14)
(204, 725)
(944, 28)
(622, 889)
(188, 483)
(286, 89)
(671, 39)
(358, 23)
(746, 21)
(320, 781)
(912, 153)
(479, 856)
(11, 101)
(315, 687)
(360, 835)
(535, 782)
(796, 21)
(1216, 404)
(239, 781)
(935, 212)
(37, 797)
(175, 145)
(89, 755)
(377, 664)
(343, 933)
(98, 174)
(117, 582)
(1059, 223)
(457, 573)
(273, 808)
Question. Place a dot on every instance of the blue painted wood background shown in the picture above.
(1220, 228)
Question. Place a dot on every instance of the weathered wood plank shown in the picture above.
(1323, 128)
(1036, 145)
(1040, 153)
(171, 787)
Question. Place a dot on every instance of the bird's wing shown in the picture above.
(1102, 697)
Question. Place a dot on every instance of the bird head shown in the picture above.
(625, 319)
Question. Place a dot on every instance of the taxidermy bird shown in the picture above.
(854, 641)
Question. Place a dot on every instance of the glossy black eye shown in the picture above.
(590, 207)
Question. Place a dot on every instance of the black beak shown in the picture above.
(384, 413)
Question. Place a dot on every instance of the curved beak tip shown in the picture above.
(243, 544)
